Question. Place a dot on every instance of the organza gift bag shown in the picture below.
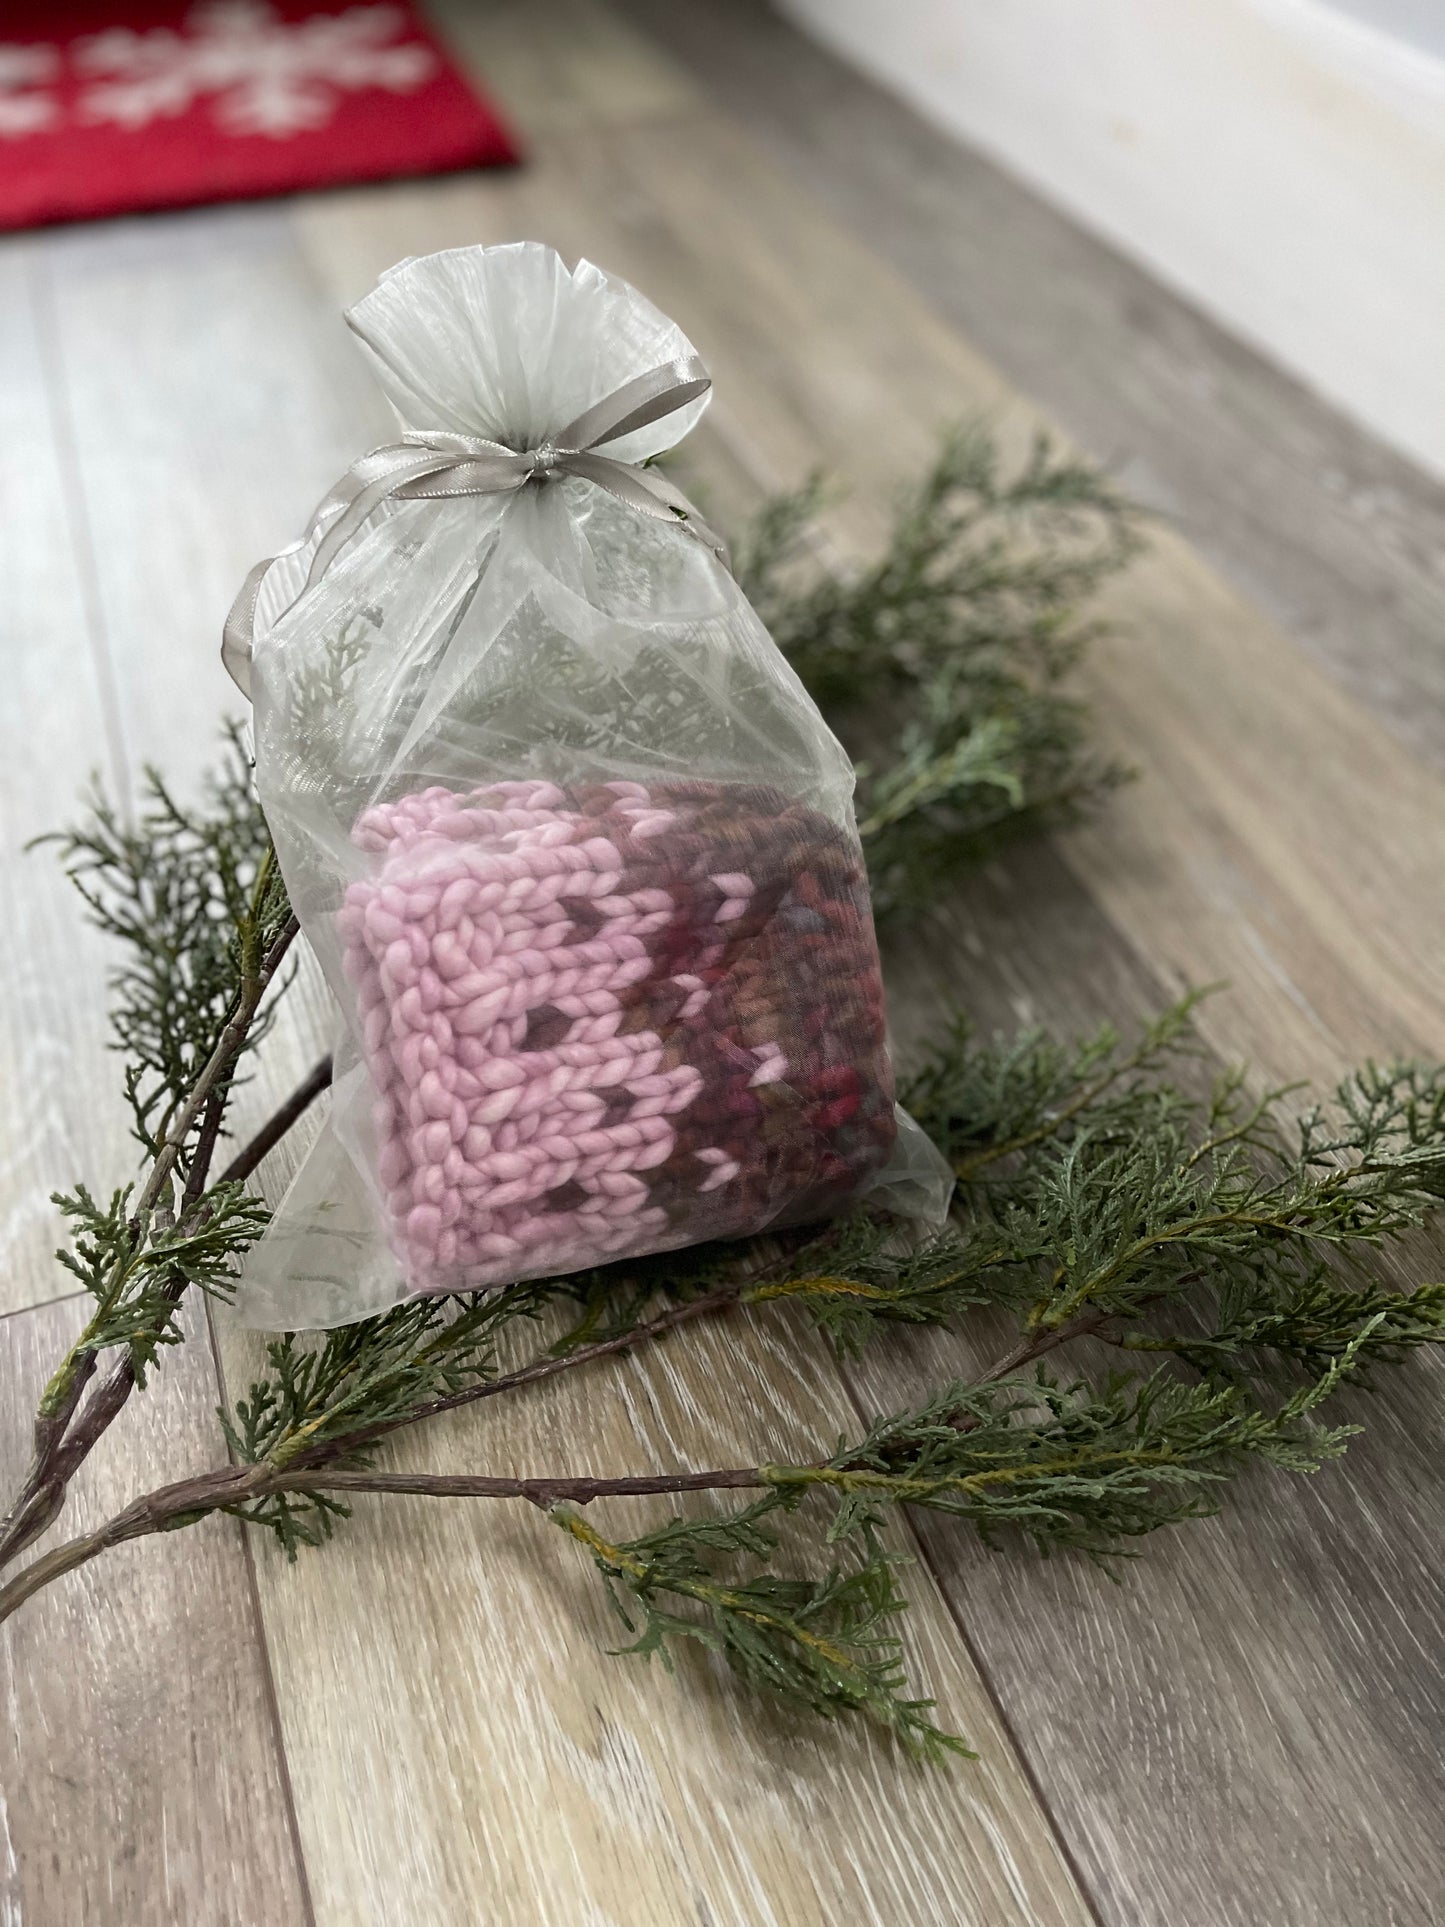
(572, 843)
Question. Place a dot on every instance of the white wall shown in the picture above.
(1282, 162)
(1419, 22)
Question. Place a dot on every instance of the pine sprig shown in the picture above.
(370, 1373)
(135, 1273)
(825, 1645)
(869, 1271)
(1070, 1467)
(1128, 1194)
(1102, 1193)
(1073, 1466)
(332, 1400)
(945, 664)
(1313, 1320)
(195, 900)
(986, 1103)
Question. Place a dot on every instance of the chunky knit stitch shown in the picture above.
(611, 1019)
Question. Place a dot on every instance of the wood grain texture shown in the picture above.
(456, 1728)
(55, 730)
(141, 1784)
(149, 321)
(141, 1775)
(585, 67)
(1334, 536)
(185, 346)
(1192, 1752)
(183, 354)
(1250, 1728)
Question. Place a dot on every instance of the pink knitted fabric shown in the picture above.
(610, 1020)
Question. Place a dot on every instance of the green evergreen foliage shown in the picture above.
(195, 900)
(132, 1269)
(1249, 1253)
(944, 665)
(823, 1644)
(1128, 1195)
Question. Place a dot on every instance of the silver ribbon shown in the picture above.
(424, 465)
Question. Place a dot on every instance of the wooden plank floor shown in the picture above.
(420, 1725)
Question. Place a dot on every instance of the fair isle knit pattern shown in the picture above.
(611, 1019)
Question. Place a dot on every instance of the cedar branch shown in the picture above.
(62, 1440)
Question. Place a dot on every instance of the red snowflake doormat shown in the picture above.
(110, 108)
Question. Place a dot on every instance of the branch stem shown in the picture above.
(542, 1491)
(229, 1488)
(716, 1301)
(278, 1124)
(1083, 1325)
(65, 1431)
(218, 1066)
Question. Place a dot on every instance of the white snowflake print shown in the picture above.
(22, 69)
(265, 75)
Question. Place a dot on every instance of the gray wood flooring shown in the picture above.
(422, 1725)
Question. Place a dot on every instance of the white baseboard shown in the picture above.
(1281, 162)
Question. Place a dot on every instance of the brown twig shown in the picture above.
(1083, 1325)
(230, 1487)
(542, 1492)
(717, 1301)
(216, 1072)
(66, 1432)
(278, 1124)
(156, 1512)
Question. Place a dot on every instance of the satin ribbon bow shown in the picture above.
(425, 464)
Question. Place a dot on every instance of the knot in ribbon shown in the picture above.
(546, 460)
(428, 464)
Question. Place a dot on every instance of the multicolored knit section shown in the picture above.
(612, 1019)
